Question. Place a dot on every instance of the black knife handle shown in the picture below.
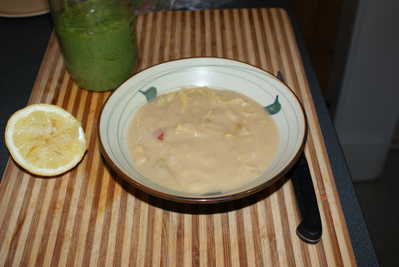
(310, 228)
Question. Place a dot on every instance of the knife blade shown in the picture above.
(310, 228)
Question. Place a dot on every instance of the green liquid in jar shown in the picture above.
(98, 44)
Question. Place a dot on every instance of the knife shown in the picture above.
(310, 228)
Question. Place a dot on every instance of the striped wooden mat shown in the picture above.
(88, 217)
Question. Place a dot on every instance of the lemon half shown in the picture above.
(45, 140)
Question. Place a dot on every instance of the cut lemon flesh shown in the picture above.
(45, 139)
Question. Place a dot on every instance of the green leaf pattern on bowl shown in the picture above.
(273, 108)
(150, 94)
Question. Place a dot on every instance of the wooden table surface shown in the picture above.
(89, 217)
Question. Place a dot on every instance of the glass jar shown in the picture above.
(97, 39)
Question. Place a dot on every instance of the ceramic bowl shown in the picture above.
(215, 73)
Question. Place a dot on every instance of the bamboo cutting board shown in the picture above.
(88, 217)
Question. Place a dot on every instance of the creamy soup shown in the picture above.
(202, 140)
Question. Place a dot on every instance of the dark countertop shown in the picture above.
(24, 41)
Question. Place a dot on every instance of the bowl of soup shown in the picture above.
(202, 130)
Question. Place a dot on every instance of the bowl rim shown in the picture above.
(203, 199)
